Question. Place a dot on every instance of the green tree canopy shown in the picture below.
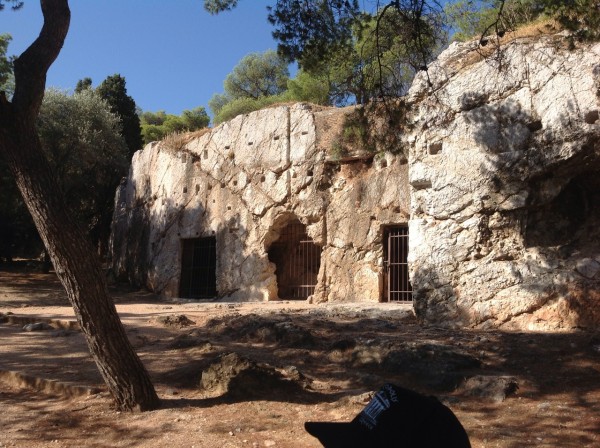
(217, 6)
(83, 84)
(310, 30)
(257, 80)
(5, 63)
(114, 91)
(364, 54)
(471, 19)
(157, 125)
(380, 59)
(82, 140)
(6, 66)
(310, 88)
(257, 75)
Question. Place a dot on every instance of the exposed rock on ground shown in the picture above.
(495, 388)
(178, 321)
(272, 329)
(355, 349)
(238, 377)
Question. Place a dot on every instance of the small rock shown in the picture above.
(363, 398)
(543, 406)
(240, 377)
(270, 443)
(38, 326)
(588, 267)
(178, 321)
(496, 388)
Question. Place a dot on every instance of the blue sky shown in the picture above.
(173, 54)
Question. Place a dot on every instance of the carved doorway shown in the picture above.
(397, 287)
(198, 268)
(297, 260)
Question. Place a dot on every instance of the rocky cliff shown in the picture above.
(244, 183)
(501, 195)
(505, 177)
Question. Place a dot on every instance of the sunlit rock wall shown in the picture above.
(502, 189)
(505, 186)
(243, 182)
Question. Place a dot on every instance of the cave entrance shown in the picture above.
(297, 260)
(562, 221)
(198, 268)
(397, 287)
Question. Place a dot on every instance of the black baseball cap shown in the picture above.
(395, 417)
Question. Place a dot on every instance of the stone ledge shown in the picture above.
(13, 319)
(23, 381)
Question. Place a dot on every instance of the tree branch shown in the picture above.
(32, 66)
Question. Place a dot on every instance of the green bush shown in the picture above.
(246, 105)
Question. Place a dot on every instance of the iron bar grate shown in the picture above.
(397, 283)
(198, 268)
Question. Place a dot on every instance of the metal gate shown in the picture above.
(198, 268)
(297, 259)
(397, 284)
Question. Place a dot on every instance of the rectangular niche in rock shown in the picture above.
(397, 287)
(198, 268)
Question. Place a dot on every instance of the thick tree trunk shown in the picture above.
(74, 258)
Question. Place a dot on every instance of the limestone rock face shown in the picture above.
(501, 196)
(505, 186)
(243, 183)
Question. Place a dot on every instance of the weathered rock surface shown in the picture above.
(243, 183)
(505, 177)
(502, 189)
(178, 321)
(241, 378)
(495, 388)
(258, 329)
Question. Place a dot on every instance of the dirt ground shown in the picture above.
(508, 389)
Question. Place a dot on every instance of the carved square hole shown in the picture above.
(435, 148)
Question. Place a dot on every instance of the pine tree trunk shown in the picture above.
(75, 259)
